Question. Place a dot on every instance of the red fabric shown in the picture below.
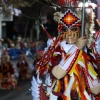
(61, 2)
(55, 61)
(64, 97)
(74, 94)
(43, 94)
(57, 93)
(6, 68)
(98, 98)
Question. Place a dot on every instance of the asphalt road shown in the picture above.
(21, 92)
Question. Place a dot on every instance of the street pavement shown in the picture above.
(21, 92)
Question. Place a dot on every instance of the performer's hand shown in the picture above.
(81, 42)
(98, 22)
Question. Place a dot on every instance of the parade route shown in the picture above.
(21, 92)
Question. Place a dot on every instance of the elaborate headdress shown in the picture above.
(70, 15)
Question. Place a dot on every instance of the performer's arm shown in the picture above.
(65, 65)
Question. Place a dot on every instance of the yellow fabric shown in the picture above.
(90, 67)
(48, 66)
(78, 90)
(81, 59)
(68, 98)
(55, 54)
(92, 70)
(73, 68)
(81, 81)
(58, 86)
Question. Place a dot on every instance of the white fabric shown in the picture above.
(35, 89)
(98, 45)
(94, 77)
(53, 97)
(87, 96)
(65, 47)
(92, 83)
(49, 42)
(38, 79)
(64, 64)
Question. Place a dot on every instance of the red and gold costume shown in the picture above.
(7, 74)
(69, 69)
(23, 65)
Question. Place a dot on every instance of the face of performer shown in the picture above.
(71, 34)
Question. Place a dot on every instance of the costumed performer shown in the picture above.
(75, 70)
(8, 78)
(23, 67)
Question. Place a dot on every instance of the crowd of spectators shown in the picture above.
(13, 70)
(15, 47)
